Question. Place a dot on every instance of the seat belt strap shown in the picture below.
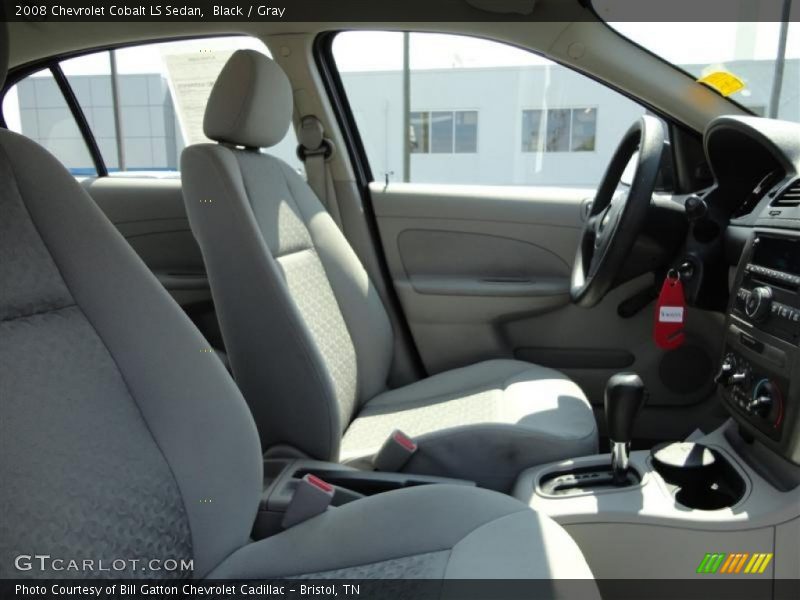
(315, 150)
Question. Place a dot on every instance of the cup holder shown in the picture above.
(711, 497)
(700, 477)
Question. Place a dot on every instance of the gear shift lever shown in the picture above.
(625, 395)
(623, 398)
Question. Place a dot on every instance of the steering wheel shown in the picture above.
(617, 216)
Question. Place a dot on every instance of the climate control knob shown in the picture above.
(766, 396)
(757, 305)
(760, 406)
(726, 370)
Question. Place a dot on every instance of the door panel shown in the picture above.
(150, 215)
(465, 258)
(484, 273)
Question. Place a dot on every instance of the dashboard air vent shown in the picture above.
(752, 199)
(790, 196)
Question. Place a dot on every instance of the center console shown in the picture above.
(663, 524)
(735, 490)
(284, 476)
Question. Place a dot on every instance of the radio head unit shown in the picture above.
(780, 255)
(769, 288)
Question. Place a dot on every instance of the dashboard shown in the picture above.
(756, 166)
(755, 163)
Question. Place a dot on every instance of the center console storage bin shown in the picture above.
(282, 476)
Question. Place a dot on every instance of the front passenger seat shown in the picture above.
(309, 340)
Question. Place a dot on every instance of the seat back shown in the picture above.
(307, 335)
(119, 436)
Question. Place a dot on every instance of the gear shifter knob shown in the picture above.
(624, 398)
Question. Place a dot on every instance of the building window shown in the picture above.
(466, 131)
(584, 128)
(532, 121)
(559, 130)
(420, 132)
(444, 132)
(441, 132)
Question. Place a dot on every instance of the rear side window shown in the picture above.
(36, 108)
(143, 105)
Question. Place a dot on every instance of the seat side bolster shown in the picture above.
(256, 315)
(346, 537)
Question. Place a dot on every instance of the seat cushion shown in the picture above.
(486, 422)
(477, 534)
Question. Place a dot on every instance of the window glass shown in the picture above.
(466, 131)
(749, 49)
(35, 107)
(144, 104)
(558, 130)
(420, 132)
(145, 116)
(162, 91)
(568, 130)
(442, 132)
(584, 128)
(532, 140)
(480, 112)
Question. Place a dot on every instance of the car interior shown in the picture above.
(502, 299)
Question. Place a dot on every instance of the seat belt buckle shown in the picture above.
(396, 451)
(312, 497)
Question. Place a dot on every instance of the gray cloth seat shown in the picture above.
(477, 534)
(309, 341)
(121, 439)
(486, 422)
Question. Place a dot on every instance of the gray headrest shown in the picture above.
(3, 52)
(250, 103)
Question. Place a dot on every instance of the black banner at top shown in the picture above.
(388, 11)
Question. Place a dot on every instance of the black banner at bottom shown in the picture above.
(411, 589)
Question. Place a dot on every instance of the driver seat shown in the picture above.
(303, 323)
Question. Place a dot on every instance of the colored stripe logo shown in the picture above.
(735, 563)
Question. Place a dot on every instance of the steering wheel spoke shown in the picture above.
(618, 215)
(593, 223)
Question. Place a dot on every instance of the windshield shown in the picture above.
(763, 57)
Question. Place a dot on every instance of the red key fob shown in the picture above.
(670, 314)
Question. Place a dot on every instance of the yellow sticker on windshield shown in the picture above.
(723, 82)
